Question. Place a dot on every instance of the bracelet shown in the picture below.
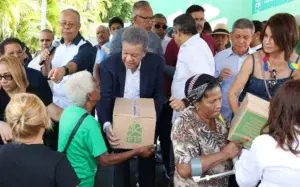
(196, 167)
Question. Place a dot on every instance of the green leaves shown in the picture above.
(22, 18)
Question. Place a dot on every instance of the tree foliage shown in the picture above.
(22, 18)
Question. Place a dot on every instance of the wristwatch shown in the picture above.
(67, 72)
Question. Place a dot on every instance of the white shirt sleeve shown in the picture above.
(34, 63)
(247, 168)
(202, 63)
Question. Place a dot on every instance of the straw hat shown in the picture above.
(220, 28)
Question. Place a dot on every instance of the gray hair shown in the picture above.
(243, 23)
(138, 5)
(78, 86)
(73, 11)
(136, 36)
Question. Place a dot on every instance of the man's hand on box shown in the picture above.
(112, 139)
(146, 151)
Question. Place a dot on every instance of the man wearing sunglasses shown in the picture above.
(159, 27)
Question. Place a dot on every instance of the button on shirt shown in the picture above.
(228, 59)
(132, 84)
(267, 162)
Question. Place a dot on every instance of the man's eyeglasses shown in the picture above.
(272, 83)
(163, 26)
(69, 24)
(7, 77)
(145, 18)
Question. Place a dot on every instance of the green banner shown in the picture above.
(261, 5)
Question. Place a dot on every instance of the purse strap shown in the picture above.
(74, 131)
(265, 81)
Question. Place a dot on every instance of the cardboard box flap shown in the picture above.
(257, 105)
(135, 107)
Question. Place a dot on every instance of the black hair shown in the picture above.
(8, 41)
(258, 25)
(186, 24)
(115, 20)
(194, 8)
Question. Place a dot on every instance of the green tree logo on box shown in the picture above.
(134, 134)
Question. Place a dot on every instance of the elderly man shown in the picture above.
(46, 39)
(87, 146)
(229, 61)
(134, 73)
(192, 48)
(142, 16)
(159, 27)
(73, 55)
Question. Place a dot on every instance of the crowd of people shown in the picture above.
(56, 108)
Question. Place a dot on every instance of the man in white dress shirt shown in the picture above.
(195, 56)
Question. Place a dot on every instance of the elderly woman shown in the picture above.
(26, 161)
(200, 135)
(266, 70)
(87, 147)
(274, 158)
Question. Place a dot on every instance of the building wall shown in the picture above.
(227, 11)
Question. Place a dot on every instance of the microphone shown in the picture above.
(52, 48)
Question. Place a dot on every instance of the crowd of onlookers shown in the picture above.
(56, 107)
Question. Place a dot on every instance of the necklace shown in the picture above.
(292, 65)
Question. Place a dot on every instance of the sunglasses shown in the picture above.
(7, 77)
(272, 83)
(163, 26)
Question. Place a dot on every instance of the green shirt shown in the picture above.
(86, 145)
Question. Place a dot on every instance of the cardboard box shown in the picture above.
(134, 122)
(249, 120)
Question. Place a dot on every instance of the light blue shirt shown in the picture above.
(228, 59)
(103, 53)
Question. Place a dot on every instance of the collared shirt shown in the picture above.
(268, 163)
(102, 53)
(79, 51)
(256, 48)
(164, 43)
(228, 59)
(194, 57)
(132, 84)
